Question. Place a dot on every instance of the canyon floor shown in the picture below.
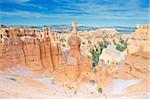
(20, 82)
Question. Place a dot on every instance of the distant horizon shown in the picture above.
(97, 13)
(64, 24)
(79, 24)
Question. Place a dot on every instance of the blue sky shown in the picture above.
(85, 12)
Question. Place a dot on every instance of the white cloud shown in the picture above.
(94, 10)
(15, 1)
(23, 3)
(104, 15)
(116, 10)
(24, 14)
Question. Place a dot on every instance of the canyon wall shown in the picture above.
(27, 47)
(140, 39)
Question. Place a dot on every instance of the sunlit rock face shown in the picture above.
(3, 38)
(32, 53)
(46, 51)
(56, 52)
(25, 47)
(71, 62)
(111, 55)
(11, 46)
(137, 60)
(74, 28)
(76, 62)
(140, 39)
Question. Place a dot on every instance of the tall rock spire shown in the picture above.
(74, 28)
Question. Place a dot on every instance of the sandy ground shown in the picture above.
(22, 83)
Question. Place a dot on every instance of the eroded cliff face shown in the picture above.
(138, 54)
(137, 60)
(24, 47)
(140, 39)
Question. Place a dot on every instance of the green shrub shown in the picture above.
(96, 54)
(122, 45)
(95, 57)
(100, 90)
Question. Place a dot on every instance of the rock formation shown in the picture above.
(68, 59)
(74, 28)
(71, 62)
(25, 47)
(140, 38)
(136, 64)
(46, 51)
